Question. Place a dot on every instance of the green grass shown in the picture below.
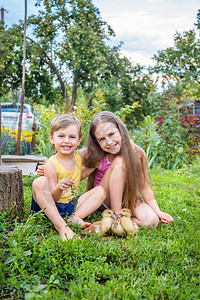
(160, 263)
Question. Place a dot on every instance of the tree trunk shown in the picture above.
(74, 91)
(11, 189)
(90, 101)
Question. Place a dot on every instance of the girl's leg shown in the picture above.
(42, 196)
(113, 183)
(145, 215)
(87, 204)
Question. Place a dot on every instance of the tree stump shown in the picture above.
(11, 188)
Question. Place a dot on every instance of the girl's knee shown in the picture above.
(118, 160)
(101, 192)
(118, 164)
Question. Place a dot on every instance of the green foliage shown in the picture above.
(172, 150)
(147, 138)
(69, 37)
(127, 110)
(181, 62)
(10, 58)
(66, 51)
(198, 19)
(165, 145)
(85, 114)
(44, 116)
(160, 263)
(9, 142)
(177, 144)
(125, 85)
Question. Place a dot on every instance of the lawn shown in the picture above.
(160, 263)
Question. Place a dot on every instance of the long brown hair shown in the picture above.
(96, 154)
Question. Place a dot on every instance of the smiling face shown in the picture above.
(66, 139)
(108, 138)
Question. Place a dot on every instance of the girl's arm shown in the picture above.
(86, 172)
(145, 189)
(56, 189)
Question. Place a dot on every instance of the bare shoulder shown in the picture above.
(138, 150)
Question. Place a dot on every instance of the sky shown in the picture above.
(144, 26)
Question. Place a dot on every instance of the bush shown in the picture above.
(173, 148)
(9, 142)
(192, 124)
(44, 116)
(165, 145)
(148, 139)
(179, 139)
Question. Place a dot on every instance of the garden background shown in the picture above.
(71, 68)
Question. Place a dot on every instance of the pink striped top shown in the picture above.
(105, 164)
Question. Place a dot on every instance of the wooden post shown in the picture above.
(23, 85)
(11, 188)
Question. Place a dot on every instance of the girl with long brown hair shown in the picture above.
(120, 167)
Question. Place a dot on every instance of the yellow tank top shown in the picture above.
(75, 175)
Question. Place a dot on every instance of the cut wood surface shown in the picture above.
(11, 188)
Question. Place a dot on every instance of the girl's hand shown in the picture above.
(40, 170)
(65, 184)
(165, 218)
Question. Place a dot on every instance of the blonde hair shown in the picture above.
(96, 154)
(63, 121)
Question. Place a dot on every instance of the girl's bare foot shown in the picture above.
(78, 221)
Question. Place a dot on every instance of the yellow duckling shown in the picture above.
(117, 228)
(129, 226)
(101, 226)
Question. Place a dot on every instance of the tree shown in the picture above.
(38, 79)
(67, 51)
(124, 84)
(198, 19)
(69, 37)
(11, 43)
(181, 62)
(66, 46)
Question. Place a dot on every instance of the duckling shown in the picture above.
(117, 228)
(129, 226)
(108, 219)
(102, 226)
(94, 228)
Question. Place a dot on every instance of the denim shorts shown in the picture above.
(64, 209)
(102, 208)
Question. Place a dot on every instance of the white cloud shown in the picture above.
(147, 26)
